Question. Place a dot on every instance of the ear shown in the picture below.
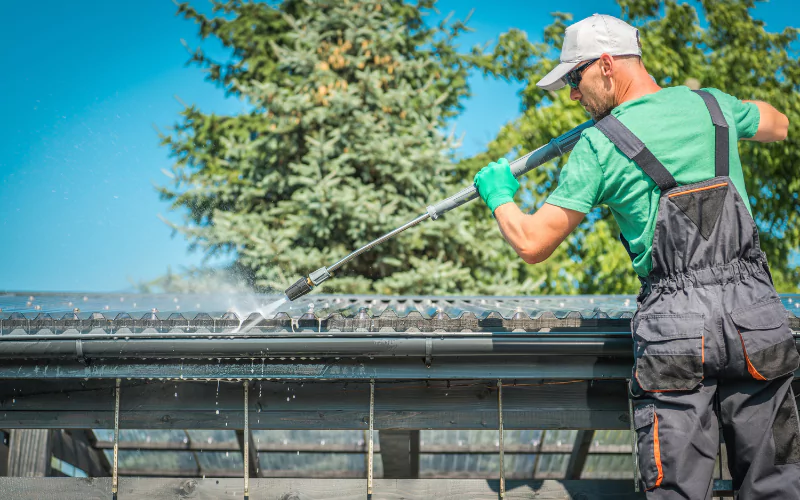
(606, 64)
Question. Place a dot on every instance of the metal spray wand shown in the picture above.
(556, 147)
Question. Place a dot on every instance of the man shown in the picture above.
(711, 340)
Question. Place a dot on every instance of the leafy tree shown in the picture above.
(734, 53)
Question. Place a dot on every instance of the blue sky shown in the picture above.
(84, 83)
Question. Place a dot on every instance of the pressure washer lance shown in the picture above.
(556, 147)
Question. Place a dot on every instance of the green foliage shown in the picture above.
(343, 143)
(734, 54)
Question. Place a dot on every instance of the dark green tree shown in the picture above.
(342, 143)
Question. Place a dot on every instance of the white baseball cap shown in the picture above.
(589, 39)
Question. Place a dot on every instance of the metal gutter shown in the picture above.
(427, 346)
(443, 344)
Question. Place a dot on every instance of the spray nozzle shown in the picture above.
(305, 285)
(298, 289)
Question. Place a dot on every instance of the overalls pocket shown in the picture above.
(786, 431)
(648, 445)
(669, 351)
(768, 343)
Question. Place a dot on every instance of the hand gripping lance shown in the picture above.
(556, 147)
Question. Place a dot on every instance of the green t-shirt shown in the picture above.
(675, 125)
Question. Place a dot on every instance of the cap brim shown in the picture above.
(555, 79)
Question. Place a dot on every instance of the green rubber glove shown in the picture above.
(496, 184)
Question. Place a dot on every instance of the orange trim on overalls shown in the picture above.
(698, 189)
(703, 350)
(657, 452)
(750, 367)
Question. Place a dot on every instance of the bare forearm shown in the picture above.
(534, 237)
(512, 223)
(773, 125)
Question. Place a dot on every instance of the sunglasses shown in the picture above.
(573, 78)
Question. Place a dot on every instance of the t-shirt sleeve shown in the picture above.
(581, 180)
(746, 116)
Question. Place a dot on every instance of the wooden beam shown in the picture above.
(277, 447)
(29, 452)
(268, 473)
(309, 489)
(415, 452)
(199, 471)
(537, 404)
(399, 368)
(398, 454)
(580, 450)
(73, 447)
(5, 437)
(539, 446)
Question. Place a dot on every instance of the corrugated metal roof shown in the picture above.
(110, 305)
(216, 305)
(164, 313)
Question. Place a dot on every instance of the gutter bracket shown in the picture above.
(428, 351)
(79, 353)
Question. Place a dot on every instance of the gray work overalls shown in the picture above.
(710, 326)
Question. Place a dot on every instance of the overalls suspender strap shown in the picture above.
(632, 147)
(635, 150)
(722, 140)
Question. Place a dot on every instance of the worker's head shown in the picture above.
(600, 55)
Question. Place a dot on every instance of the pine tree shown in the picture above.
(343, 143)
